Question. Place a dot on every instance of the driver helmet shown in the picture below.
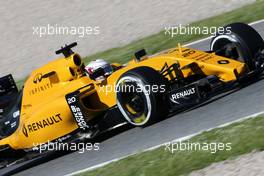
(99, 63)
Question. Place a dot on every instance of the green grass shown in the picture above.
(20, 83)
(244, 137)
(160, 41)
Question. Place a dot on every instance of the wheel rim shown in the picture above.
(134, 105)
(231, 47)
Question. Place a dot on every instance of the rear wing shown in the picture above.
(8, 92)
(7, 85)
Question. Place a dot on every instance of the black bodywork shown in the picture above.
(10, 104)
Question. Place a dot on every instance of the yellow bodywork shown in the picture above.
(45, 115)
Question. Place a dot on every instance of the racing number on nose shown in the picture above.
(71, 100)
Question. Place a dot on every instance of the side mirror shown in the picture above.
(141, 55)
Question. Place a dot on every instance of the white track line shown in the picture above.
(204, 39)
(207, 38)
(210, 129)
(178, 139)
(157, 146)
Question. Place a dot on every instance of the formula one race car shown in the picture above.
(61, 102)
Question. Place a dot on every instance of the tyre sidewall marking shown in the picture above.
(147, 96)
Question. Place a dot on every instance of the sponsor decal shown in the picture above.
(24, 130)
(188, 53)
(63, 138)
(32, 127)
(223, 62)
(44, 86)
(203, 57)
(39, 77)
(40, 89)
(16, 114)
(12, 123)
(174, 97)
(77, 113)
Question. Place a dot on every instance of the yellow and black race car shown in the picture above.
(61, 102)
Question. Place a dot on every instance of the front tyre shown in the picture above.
(140, 96)
(240, 42)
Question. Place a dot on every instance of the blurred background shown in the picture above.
(118, 23)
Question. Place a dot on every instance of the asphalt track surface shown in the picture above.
(232, 106)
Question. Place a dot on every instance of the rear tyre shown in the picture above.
(140, 95)
(239, 41)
